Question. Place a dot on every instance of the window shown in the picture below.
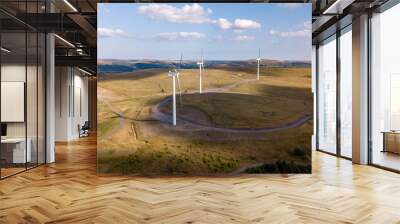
(385, 89)
(346, 92)
(22, 88)
(326, 95)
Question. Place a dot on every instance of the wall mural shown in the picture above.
(204, 89)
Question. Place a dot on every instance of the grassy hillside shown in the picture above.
(131, 141)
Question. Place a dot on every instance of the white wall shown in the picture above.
(12, 73)
(62, 81)
(71, 87)
(80, 110)
(13, 100)
(33, 126)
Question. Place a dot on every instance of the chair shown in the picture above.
(84, 130)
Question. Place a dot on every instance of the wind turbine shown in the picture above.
(258, 64)
(175, 80)
(201, 68)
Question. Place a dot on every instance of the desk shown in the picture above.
(15, 148)
(391, 141)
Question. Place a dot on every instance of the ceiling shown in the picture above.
(73, 21)
(332, 15)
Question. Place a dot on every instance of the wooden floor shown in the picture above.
(70, 191)
(5, 172)
(387, 159)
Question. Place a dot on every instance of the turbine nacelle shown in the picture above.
(174, 73)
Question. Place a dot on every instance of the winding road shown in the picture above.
(194, 126)
(189, 125)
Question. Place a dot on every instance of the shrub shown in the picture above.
(280, 166)
(298, 152)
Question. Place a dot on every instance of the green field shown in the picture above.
(132, 141)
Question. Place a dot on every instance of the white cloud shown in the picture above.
(108, 32)
(238, 31)
(194, 35)
(303, 30)
(238, 24)
(291, 5)
(244, 38)
(223, 23)
(193, 13)
(245, 24)
(180, 35)
(297, 33)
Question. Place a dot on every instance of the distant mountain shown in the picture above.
(118, 66)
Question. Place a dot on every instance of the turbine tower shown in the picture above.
(258, 64)
(175, 80)
(201, 68)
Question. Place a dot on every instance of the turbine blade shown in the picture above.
(259, 52)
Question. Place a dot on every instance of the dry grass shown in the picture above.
(282, 94)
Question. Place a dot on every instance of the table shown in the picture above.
(391, 141)
(15, 148)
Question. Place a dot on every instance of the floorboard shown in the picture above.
(70, 191)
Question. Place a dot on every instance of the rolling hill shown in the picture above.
(120, 66)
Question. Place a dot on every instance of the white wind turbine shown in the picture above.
(201, 68)
(175, 80)
(258, 64)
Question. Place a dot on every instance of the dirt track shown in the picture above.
(192, 125)
(187, 125)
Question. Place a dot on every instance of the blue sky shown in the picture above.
(223, 31)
